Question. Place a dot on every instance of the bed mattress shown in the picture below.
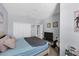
(23, 48)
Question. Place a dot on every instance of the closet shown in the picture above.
(37, 30)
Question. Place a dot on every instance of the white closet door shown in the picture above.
(21, 29)
(34, 30)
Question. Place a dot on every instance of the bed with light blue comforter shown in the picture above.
(23, 48)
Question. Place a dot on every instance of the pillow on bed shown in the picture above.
(2, 47)
(10, 42)
(6, 42)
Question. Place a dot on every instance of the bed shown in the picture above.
(23, 48)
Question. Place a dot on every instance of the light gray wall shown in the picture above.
(12, 19)
(67, 35)
(55, 31)
(4, 25)
(28, 13)
(54, 17)
(33, 14)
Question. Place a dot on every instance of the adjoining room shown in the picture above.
(69, 29)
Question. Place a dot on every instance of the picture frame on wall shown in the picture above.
(55, 24)
(48, 25)
(76, 21)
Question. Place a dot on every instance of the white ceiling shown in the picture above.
(33, 10)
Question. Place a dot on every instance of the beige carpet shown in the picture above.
(52, 51)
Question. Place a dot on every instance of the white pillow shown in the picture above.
(2, 47)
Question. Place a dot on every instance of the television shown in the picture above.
(48, 36)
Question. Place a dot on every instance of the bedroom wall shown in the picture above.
(53, 17)
(4, 25)
(55, 31)
(13, 19)
(32, 14)
(51, 13)
(67, 35)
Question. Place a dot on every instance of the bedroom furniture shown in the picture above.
(35, 41)
(55, 44)
(25, 49)
(71, 51)
(7, 42)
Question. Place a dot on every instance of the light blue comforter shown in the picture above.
(24, 49)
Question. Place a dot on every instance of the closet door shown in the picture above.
(21, 29)
(34, 30)
(40, 31)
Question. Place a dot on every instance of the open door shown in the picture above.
(40, 31)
